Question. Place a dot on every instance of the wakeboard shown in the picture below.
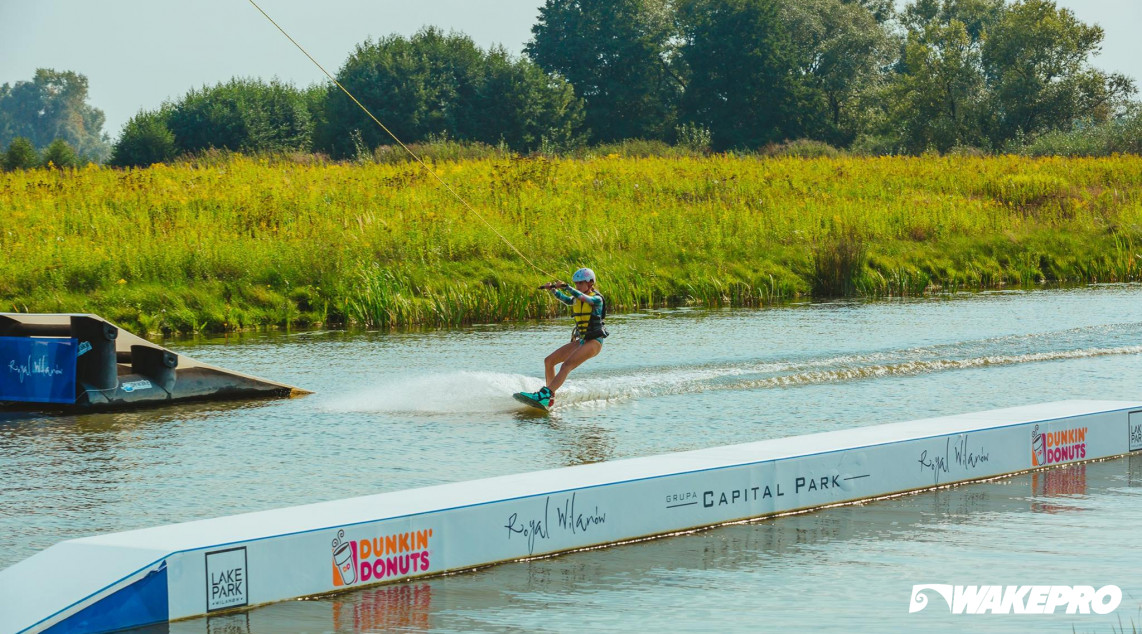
(527, 400)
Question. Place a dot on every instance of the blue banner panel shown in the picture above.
(37, 369)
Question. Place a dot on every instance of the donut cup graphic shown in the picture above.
(1038, 450)
(344, 560)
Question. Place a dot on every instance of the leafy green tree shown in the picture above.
(1036, 60)
(523, 107)
(977, 16)
(986, 73)
(416, 87)
(937, 98)
(437, 85)
(939, 102)
(59, 155)
(146, 140)
(53, 106)
(882, 10)
(242, 115)
(742, 85)
(618, 54)
(21, 155)
(841, 52)
(314, 99)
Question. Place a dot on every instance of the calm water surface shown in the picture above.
(395, 411)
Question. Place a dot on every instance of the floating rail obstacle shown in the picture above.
(73, 362)
(133, 578)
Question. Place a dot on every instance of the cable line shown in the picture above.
(401, 143)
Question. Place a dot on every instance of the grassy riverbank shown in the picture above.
(245, 242)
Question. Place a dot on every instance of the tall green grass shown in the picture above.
(231, 242)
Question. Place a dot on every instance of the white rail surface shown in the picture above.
(109, 582)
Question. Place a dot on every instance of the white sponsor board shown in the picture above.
(333, 546)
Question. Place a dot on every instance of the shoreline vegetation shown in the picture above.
(226, 242)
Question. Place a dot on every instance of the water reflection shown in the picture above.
(1056, 490)
(16, 425)
(401, 607)
(579, 443)
(228, 624)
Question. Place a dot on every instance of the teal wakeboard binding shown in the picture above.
(539, 400)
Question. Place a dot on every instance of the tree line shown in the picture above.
(48, 121)
(937, 75)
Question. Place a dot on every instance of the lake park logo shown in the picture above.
(376, 558)
(1135, 431)
(1018, 599)
(1054, 447)
(226, 579)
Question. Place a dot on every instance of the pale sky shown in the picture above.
(138, 53)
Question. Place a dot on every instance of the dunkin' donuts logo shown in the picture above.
(344, 561)
(377, 558)
(1054, 447)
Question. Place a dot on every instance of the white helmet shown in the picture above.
(583, 275)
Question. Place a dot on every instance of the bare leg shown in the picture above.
(577, 357)
(555, 358)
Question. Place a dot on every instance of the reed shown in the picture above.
(239, 242)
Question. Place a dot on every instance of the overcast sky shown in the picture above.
(138, 53)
